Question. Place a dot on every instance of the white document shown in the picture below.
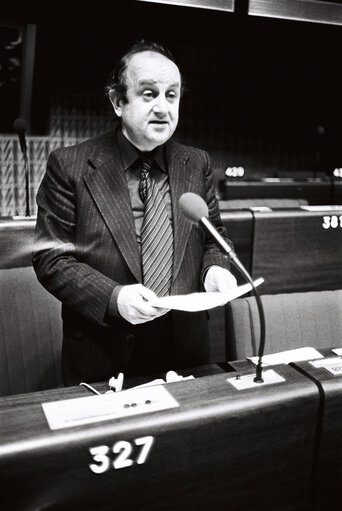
(194, 302)
(285, 357)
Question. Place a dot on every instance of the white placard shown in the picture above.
(324, 362)
(335, 370)
(331, 364)
(90, 409)
(322, 208)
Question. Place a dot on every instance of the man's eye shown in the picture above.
(148, 94)
(172, 95)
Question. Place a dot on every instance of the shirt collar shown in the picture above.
(129, 153)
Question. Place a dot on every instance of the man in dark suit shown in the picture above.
(88, 234)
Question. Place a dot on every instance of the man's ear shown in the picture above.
(115, 102)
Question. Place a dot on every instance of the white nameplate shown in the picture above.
(332, 364)
(247, 381)
(335, 370)
(338, 351)
(90, 409)
(321, 208)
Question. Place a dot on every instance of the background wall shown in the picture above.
(264, 94)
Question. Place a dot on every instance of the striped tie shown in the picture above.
(156, 235)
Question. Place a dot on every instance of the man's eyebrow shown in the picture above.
(144, 83)
(141, 83)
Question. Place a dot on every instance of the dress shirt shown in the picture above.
(129, 159)
(130, 162)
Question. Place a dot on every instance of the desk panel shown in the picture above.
(298, 250)
(328, 470)
(337, 190)
(239, 226)
(315, 191)
(220, 448)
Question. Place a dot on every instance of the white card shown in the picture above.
(109, 406)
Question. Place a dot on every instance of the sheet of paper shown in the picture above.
(194, 302)
(338, 351)
(285, 357)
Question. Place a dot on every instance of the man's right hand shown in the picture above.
(133, 304)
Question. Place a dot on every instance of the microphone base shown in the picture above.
(247, 381)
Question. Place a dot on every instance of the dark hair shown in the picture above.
(116, 80)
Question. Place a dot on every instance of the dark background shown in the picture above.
(262, 93)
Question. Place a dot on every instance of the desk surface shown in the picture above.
(223, 448)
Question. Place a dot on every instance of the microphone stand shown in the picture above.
(223, 245)
(258, 376)
(27, 183)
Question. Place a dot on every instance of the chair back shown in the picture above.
(293, 320)
(30, 334)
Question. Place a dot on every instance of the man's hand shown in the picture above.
(133, 304)
(219, 279)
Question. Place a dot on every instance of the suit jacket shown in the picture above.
(85, 244)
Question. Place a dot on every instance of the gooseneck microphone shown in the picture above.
(19, 126)
(195, 209)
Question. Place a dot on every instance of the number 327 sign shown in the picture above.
(122, 454)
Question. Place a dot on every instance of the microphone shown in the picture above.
(196, 210)
(19, 126)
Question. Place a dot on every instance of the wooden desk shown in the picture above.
(316, 191)
(298, 250)
(221, 448)
(328, 470)
(239, 226)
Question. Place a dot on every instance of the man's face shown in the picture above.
(150, 116)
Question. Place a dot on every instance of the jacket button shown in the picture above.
(129, 337)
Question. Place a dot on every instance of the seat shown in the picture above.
(293, 320)
(30, 334)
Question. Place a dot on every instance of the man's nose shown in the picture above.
(160, 107)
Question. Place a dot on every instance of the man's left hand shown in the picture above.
(219, 279)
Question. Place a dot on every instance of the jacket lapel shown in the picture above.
(182, 178)
(108, 186)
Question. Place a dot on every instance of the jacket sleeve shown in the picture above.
(54, 257)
